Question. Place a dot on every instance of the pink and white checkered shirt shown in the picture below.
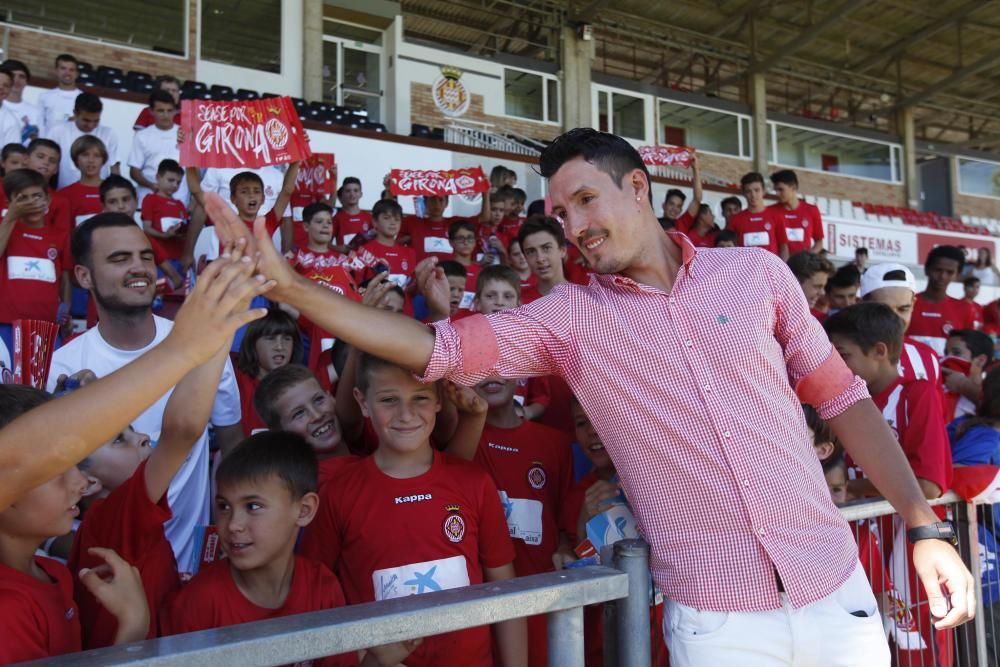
(696, 395)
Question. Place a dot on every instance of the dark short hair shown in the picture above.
(276, 323)
(726, 235)
(457, 226)
(520, 196)
(368, 364)
(40, 142)
(971, 281)
(804, 265)
(161, 96)
(752, 177)
(504, 193)
(11, 149)
(452, 268)
(279, 454)
(12, 65)
(350, 180)
(22, 179)
(861, 251)
(730, 201)
(88, 103)
(67, 58)
(866, 324)
(316, 207)
(384, 206)
(536, 224)
(609, 153)
(979, 343)
(169, 166)
(674, 192)
(17, 399)
(113, 182)
(498, 272)
(786, 176)
(945, 252)
(84, 143)
(245, 177)
(273, 387)
(846, 276)
(8, 72)
(82, 240)
(537, 207)
(165, 78)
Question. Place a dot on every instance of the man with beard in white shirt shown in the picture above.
(29, 115)
(57, 104)
(115, 262)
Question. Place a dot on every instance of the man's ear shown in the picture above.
(307, 509)
(82, 275)
(881, 350)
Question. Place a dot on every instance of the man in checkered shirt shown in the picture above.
(692, 364)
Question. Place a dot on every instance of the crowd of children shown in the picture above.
(396, 487)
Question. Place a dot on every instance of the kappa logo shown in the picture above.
(415, 498)
(537, 476)
(504, 448)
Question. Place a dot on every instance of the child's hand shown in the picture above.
(390, 655)
(118, 587)
(433, 284)
(597, 498)
(75, 381)
(465, 399)
(22, 206)
(217, 306)
(563, 556)
(377, 288)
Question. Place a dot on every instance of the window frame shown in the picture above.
(744, 136)
(958, 176)
(895, 177)
(546, 114)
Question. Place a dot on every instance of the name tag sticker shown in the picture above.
(796, 235)
(467, 299)
(524, 518)
(753, 239)
(31, 268)
(428, 577)
(437, 244)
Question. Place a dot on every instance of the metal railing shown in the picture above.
(481, 135)
(560, 595)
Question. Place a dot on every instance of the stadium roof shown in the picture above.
(852, 61)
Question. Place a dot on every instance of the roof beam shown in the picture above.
(950, 81)
(933, 28)
(586, 14)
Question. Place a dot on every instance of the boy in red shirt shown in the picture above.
(384, 250)
(118, 195)
(756, 226)
(246, 192)
(532, 466)
(462, 235)
(266, 495)
(544, 246)
(36, 593)
(350, 220)
(674, 214)
(812, 271)
(429, 235)
(935, 313)
(35, 257)
(89, 155)
(131, 505)
(165, 220)
(702, 230)
(409, 520)
(458, 298)
(44, 156)
(801, 225)
(869, 337)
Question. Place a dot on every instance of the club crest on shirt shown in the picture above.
(52, 254)
(70, 613)
(454, 524)
(947, 328)
(536, 476)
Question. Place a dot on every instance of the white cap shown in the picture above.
(875, 278)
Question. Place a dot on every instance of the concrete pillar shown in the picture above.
(312, 50)
(908, 170)
(577, 56)
(761, 132)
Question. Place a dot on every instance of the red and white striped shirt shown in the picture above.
(692, 394)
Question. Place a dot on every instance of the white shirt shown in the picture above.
(150, 146)
(189, 491)
(987, 277)
(27, 114)
(10, 127)
(56, 107)
(216, 179)
(65, 134)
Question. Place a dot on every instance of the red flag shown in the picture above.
(34, 342)
(667, 156)
(316, 176)
(249, 134)
(431, 182)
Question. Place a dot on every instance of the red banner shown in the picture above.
(249, 134)
(318, 176)
(430, 182)
(928, 241)
(667, 156)
(34, 342)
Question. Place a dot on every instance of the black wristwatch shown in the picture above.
(942, 530)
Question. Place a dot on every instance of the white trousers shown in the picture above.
(823, 634)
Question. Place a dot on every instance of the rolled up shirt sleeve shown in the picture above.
(528, 341)
(815, 369)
